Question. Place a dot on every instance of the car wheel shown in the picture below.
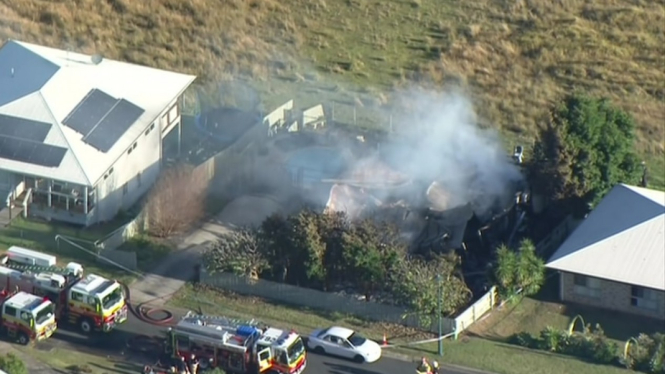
(319, 350)
(23, 339)
(359, 359)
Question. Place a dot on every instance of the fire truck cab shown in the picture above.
(92, 301)
(235, 346)
(26, 317)
(282, 351)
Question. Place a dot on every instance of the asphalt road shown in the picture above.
(115, 344)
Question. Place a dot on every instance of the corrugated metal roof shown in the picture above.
(623, 240)
(45, 84)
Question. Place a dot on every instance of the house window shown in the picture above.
(57, 187)
(173, 113)
(586, 286)
(138, 179)
(643, 298)
(124, 189)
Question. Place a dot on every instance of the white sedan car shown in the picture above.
(343, 342)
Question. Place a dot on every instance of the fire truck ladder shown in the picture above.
(220, 320)
(37, 268)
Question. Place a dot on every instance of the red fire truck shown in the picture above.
(92, 302)
(236, 346)
(26, 317)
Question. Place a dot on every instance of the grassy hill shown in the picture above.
(513, 56)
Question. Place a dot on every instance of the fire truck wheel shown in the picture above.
(23, 339)
(86, 325)
(204, 365)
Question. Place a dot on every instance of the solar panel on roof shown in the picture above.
(90, 111)
(23, 128)
(114, 124)
(31, 152)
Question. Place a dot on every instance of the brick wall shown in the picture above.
(610, 295)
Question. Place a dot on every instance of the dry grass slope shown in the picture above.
(515, 56)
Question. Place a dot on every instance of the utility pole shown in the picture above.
(440, 301)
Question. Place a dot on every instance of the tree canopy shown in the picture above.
(587, 147)
(237, 252)
(324, 251)
(519, 269)
(416, 284)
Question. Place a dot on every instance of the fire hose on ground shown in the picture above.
(153, 316)
(148, 314)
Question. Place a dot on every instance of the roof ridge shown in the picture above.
(644, 193)
(69, 146)
(629, 228)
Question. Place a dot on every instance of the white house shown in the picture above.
(615, 259)
(81, 136)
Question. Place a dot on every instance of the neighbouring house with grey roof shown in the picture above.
(80, 136)
(615, 259)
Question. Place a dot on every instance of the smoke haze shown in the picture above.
(438, 139)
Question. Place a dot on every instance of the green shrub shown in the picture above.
(604, 350)
(646, 354)
(12, 364)
(552, 339)
(524, 339)
(577, 345)
(657, 362)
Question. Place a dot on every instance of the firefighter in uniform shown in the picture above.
(424, 367)
(193, 364)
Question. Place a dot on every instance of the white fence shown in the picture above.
(476, 311)
(325, 301)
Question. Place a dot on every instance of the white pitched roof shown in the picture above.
(623, 240)
(46, 84)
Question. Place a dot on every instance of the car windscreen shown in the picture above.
(44, 314)
(295, 350)
(112, 298)
(357, 340)
(322, 333)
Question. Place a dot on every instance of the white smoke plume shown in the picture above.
(439, 140)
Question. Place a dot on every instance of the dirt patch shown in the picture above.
(249, 211)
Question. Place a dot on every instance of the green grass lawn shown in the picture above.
(471, 351)
(532, 316)
(40, 236)
(71, 361)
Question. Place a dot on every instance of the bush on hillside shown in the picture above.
(645, 353)
(12, 364)
(591, 344)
